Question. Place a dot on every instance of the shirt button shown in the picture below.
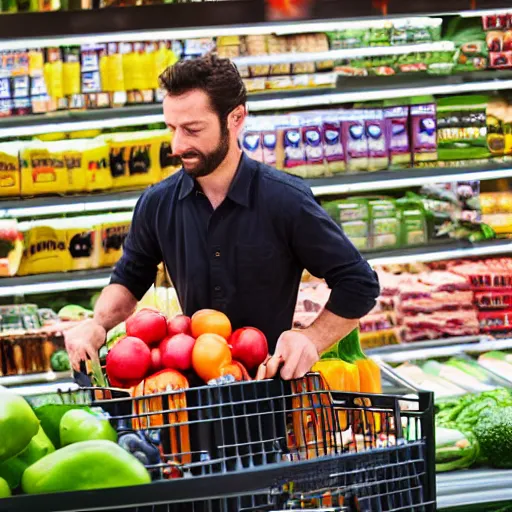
(217, 288)
(217, 254)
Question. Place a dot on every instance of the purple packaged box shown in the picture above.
(354, 137)
(424, 132)
(251, 144)
(375, 127)
(333, 145)
(397, 129)
(293, 148)
(313, 147)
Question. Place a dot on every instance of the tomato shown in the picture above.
(211, 353)
(148, 325)
(249, 346)
(209, 321)
(128, 360)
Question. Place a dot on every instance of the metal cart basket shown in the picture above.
(266, 446)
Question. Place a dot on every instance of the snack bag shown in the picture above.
(334, 153)
(10, 176)
(111, 232)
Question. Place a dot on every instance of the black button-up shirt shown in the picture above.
(246, 257)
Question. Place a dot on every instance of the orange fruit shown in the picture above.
(210, 354)
(209, 321)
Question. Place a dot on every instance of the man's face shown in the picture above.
(198, 137)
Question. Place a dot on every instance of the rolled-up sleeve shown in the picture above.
(137, 268)
(326, 252)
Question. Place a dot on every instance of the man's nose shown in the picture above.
(178, 144)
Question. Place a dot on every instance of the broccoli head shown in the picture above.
(493, 431)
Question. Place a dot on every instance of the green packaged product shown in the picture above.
(462, 128)
(384, 228)
(413, 224)
(83, 466)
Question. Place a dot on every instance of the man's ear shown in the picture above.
(237, 117)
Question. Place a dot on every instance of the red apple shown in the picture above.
(176, 352)
(122, 383)
(249, 346)
(148, 325)
(180, 324)
(128, 360)
(156, 360)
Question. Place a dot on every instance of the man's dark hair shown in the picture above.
(217, 77)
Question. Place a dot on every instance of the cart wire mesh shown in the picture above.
(267, 446)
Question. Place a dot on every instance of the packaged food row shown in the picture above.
(75, 243)
(110, 161)
(319, 143)
(498, 39)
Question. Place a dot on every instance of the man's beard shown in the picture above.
(208, 162)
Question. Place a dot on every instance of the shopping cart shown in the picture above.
(266, 446)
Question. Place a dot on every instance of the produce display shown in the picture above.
(182, 350)
(52, 447)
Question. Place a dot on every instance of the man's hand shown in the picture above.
(296, 352)
(85, 339)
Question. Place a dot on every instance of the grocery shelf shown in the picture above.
(55, 282)
(439, 252)
(189, 20)
(341, 184)
(413, 177)
(349, 89)
(34, 378)
(57, 205)
(99, 278)
(350, 53)
(459, 489)
(445, 347)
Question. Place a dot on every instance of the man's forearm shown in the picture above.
(115, 305)
(328, 329)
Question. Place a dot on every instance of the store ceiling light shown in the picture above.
(433, 255)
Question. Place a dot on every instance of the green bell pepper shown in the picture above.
(84, 466)
(18, 424)
(78, 425)
(5, 491)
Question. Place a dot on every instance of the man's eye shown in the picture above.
(192, 132)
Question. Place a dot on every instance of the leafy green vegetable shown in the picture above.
(455, 450)
(494, 433)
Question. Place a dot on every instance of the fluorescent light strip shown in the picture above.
(392, 183)
(337, 98)
(57, 286)
(56, 209)
(484, 12)
(487, 250)
(191, 33)
(69, 126)
(352, 53)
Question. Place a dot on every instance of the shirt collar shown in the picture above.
(240, 188)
